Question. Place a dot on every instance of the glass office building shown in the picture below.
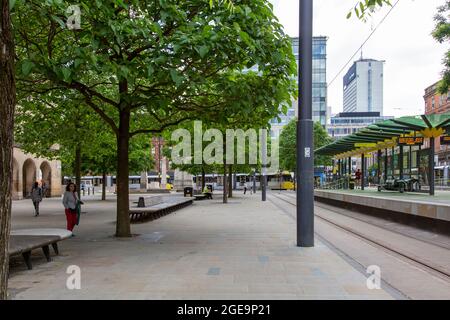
(319, 94)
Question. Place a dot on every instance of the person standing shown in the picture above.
(71, 203)
(44, 189)
(245, 187)
(36, 197)
(358, 178)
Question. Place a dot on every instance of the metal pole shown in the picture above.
(410, 162)
(350, 166)
(379, 155)
(264, 164)
(400, 162)
(386, 169)
(431, 166)
(363, 169)
(305, 150)
(393, 162)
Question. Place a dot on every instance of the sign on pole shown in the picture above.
(410, 141)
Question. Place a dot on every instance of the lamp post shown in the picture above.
(305, 150)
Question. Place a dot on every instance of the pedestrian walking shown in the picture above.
(44, 189)
(72, 206)
(245, 187)
(36, 197)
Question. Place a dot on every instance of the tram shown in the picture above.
(134, 182)
(275, 181)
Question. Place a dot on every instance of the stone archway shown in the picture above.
(15, 180)
(46, 178)
(28, 177)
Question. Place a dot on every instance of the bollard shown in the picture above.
(141, 202)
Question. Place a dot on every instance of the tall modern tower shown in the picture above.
(319, 94)
(363, 87)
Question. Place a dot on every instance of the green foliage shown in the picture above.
(53, 124)
(442, 34)
(145, 66)
(365, 8)
(288, 145)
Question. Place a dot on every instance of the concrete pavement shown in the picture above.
(242, 250)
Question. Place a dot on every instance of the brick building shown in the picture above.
(436, 103)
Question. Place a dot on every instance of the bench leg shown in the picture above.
(27, 258)
(46, 251)
(55, 248)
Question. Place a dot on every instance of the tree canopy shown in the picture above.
(442, 34)
(144, 66)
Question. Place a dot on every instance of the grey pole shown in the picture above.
(264, 164)
(379, 155)
(363, 169)
(386, 169)
(254, 181)
(350, 166)
(431, 166)
(305, 150)
(400, 162)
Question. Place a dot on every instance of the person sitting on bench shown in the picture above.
(207, 193)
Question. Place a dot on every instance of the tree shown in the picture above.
(7, 107)
(145, 66)
(442, 34)
(288, 145)
(86, 145)
(365, 8)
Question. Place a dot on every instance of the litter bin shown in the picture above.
(352, 185)
(189, 191)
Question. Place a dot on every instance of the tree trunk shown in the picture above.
(77, 169)
(225, 198)
(203, 178)
(104, 186)
(230, 182)
(7, 106)
(123, 220)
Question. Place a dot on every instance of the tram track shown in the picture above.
(442, 244)
(412, 258)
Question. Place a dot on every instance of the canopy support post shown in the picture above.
(431, 166)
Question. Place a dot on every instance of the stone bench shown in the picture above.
(139, 215)
(203, 196)
(22, 242)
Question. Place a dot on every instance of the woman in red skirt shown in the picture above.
(70, 202)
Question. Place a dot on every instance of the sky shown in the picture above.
(413, 58)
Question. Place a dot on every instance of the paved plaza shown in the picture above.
(241, 250)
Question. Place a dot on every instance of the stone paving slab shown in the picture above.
(243, 250)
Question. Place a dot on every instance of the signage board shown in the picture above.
(445, 140)
(410, 141)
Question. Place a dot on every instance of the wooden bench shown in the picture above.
(139, 215)
(22, 242)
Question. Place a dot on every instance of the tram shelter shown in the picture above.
(401, 136)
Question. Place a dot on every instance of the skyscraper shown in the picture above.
(319, 94)
(363, 87)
